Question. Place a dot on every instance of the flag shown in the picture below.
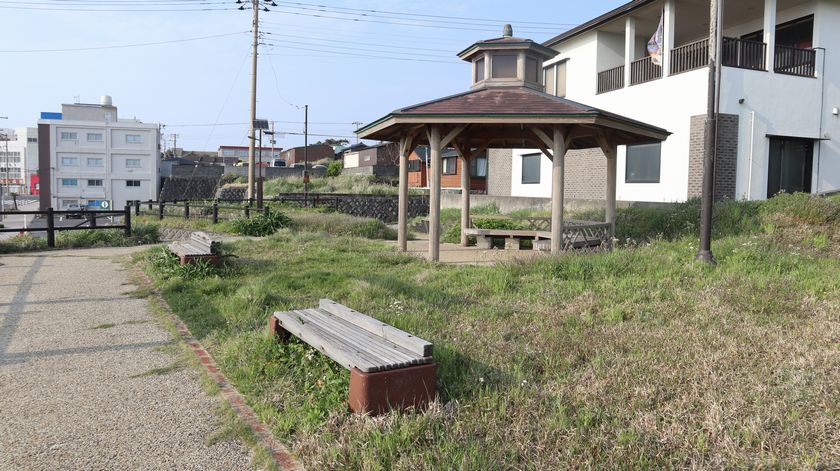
(654, 46)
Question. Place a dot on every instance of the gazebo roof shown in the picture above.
(504, 115)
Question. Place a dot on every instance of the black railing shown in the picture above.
(690, 57)
(796, 61)
(644, 70)
(87, 220)
(744, 54)
(612, 79)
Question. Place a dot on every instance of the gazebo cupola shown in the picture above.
(507, 61)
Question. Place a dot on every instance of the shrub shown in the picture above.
(343, 225)
(23, 243)
(167, 265)
(335, 168)
(262, 225)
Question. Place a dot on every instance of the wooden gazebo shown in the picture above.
(506, 108)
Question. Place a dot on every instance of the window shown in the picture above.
(532, 70)
(132, 183)
(450, 166)
(531, 169)
(10, 157)
(69, 136)
(69, 161)
(413, 165)
(228, 153)
(790, 168)
(133, 139)
(94, 183)
(504, 66)
(94, 137)
(643, 163)
(479, 70)
(31, 139)
(478, 167)
(555, 79)
(68, 203)
(95, 162)
(132, 163)
(69, 182)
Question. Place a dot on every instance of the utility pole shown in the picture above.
(357, 124)
(6, 170)
(255, 5)
(704, 254)
(174, 145)
(306, 154)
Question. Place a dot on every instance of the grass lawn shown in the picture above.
(639, 358)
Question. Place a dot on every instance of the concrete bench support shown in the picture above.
(379, 392)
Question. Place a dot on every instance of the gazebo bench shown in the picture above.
(199, 246)
(389, 368)
(484, 237)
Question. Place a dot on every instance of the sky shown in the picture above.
(349, 60)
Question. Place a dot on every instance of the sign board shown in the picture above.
(260, 124)
(105, 205)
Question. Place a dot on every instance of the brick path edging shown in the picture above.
(279, 452)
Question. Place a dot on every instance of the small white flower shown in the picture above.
(481, 379)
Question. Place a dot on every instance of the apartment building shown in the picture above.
(92, 158)
(779, 127)
(18, 159)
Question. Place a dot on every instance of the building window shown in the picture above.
(132, 163)
(132, 183)
(69, 182)
(413, 165)
(94, 137)
(643, 162)
(69, 161)
(95, 162)
(504, 66)
(478, 167)
(31, 139)
(69, 136)
(532, 70)
(479, 70)
(531, 169)
(450, 166)
(555, 79)
(94, 183)
(10, 157)
(790, 167)
(228, 153)
(133, 139)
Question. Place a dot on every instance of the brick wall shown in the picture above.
(586, 174)
(727, 156)
(499, 169)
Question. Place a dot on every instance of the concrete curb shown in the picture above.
(284, 460)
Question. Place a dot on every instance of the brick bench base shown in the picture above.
(379, 392)
(214, 260)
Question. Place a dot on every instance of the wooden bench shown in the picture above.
(513, 237)
(389, 368)
(199, 246)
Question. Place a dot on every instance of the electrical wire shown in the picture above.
(122, 46)
(351, 48)
(343, 41)
(452, 62)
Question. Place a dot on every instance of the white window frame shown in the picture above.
(65, 180)
(100, 159)
(65, 136)
(100, 185)
(101, 137)
(139, 163)
(133, 139)
(138, 185)
(65, 164)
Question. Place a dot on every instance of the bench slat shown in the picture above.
(297, 324)
(388, 352)
(185, 248)
(405, 340)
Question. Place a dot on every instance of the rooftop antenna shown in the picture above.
(77, 99)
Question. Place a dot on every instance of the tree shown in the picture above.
(333, 142)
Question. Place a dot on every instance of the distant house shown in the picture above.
(313, 153)
(381, 160)
(418, 170)
(230, 155)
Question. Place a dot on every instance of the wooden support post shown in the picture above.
(92, 219)
(557, 189)
(215, 213)
(248, 211)
(127, 220)
(610, 151)
(406, 147)
(186, 210)
(160, 210)
(434, 194)
(136, 207)
(464, 162)
(150, 205)
(50, 228)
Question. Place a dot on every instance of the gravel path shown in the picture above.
(88, 379)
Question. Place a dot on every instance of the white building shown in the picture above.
(18, 159)
(779, 128)
(89, 156)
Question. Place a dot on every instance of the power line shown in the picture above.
(342, 41)
(277, 84)
(366, 34)
(335, 46)
(116, 9)
(122, 46)
(407, 59)
(428, 16)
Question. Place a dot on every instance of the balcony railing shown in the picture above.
(744, 54)
(611, 79)
(795, 61)
(644, 70)
(690, 57)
